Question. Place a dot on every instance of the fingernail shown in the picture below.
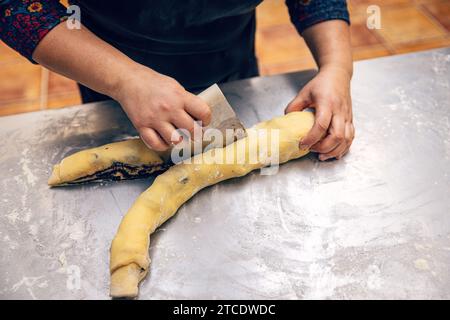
(302, 145)
(322, 158)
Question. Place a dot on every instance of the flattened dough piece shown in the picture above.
(129, 260)
(115, 161)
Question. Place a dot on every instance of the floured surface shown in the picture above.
(374, 225)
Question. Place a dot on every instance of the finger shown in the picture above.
(300, 102)
(352, 131)
(153, 140)
(334, 153)
(198, 109)
(319, 129)
(349, 137)
(183, 120)
(350, 110)
(343, 148)
(168, 132)
(336, 136)
(349, 113)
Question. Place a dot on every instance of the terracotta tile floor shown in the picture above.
(406, 26)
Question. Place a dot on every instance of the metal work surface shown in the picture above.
(374, 225)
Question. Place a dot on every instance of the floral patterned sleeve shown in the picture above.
(305, 13)
(24, 23)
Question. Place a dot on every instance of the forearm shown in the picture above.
(329, 43)
(155, 104)
(82, 56)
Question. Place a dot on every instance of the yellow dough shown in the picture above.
(117, 161)
(129, 251)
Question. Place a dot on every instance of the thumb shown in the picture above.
(300, 102)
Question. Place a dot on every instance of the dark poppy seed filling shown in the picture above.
(121, 171)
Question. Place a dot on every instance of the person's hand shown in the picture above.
(157, 105)
(329, 94)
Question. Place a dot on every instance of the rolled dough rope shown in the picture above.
(117, 161)
(129, 260)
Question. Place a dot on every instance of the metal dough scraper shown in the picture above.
(223, 118)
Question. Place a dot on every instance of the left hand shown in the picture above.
(329, 94)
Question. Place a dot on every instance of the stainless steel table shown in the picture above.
(373, 225)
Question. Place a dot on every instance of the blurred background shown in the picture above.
(406, 26)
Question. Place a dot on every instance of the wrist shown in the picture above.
(344, 69)
(124, 80)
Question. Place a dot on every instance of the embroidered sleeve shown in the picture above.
(305, 13)
(24, 23)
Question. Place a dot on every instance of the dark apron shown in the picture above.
(197, 42)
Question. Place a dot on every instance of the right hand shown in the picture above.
(157, 105)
